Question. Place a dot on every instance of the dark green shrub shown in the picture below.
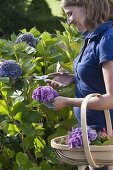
(19, 14)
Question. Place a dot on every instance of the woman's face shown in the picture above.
(76, 16)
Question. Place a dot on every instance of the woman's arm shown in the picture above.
(96, 103)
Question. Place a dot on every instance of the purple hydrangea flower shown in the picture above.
(44, 94)
(10, 69)
(28, 38)
(92, 135)
(75, 139)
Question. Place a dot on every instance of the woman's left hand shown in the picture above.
(60, 102)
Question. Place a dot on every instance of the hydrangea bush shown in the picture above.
(27, 126)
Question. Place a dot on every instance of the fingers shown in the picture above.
(54, 83)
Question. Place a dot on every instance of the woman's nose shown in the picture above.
(70, 20)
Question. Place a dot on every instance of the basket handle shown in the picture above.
(84, 128)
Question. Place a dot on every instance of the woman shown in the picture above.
(93, 68)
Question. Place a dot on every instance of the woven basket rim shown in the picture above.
(97, 148)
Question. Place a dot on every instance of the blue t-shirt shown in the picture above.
(97, 48)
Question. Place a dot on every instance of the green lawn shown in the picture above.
(55, 7)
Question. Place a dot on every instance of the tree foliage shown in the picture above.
(19, 14)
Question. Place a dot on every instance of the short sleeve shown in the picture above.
(106, 49)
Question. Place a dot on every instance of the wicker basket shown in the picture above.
(93, 155)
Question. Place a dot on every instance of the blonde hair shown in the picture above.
(97, 10)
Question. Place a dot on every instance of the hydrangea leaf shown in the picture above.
(12, 129)
(13, 37)
(28, 130)
(49, 105)
(45, 165)
(39, 143)
(28, 142)
(23, 30)
(20, 47)
(4, 79)
(35, 32)
(23, 160)
(30, 50)
(35, 168)
(3, 108)
(46, 36)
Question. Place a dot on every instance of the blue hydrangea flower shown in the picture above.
(28, 38)
(75, 139)
(44, 94)
(10, 69)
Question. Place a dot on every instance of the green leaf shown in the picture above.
(46, 36)
(6, 49)
(69, 123)
(27, 143)
(39, 142)
(3, 124)
(37, 168)
(61, 130)
(96, 142)
(3, 108)
(28, 130)
(18, 116)
(13, 37)
(34, 116)
(20, 47)
(45, 166)
(12, 129)
(50, 137)
(30, 50)
(108, 142)
(4, 159)
(23, 160)
(0, 165)
(18, 107)
(9, 152)
(49, 105)
(28, 66)
(35, 32)
(4, 79)
(38, 126)
(23, 30)
(40, 48)
(51, 157)
(60, 167)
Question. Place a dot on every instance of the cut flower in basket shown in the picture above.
(75, 139)
(45, 95)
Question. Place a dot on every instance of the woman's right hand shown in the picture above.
(61, 79)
